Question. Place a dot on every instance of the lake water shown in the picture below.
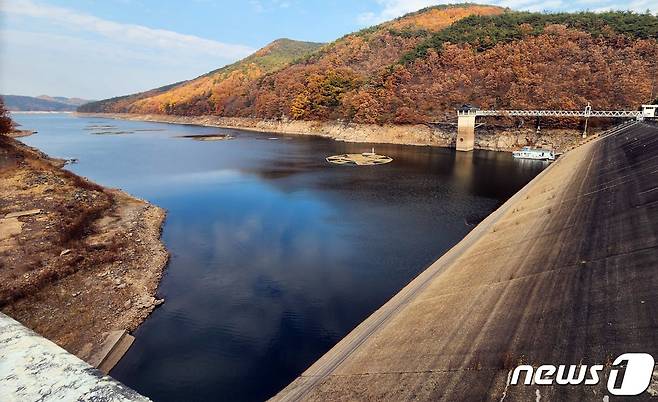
(275, 254)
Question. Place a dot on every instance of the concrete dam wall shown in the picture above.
(565, 272)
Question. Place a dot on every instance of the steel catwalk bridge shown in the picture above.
(561, 113)
(648, 111)
(468, 114)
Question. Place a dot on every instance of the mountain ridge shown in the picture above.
(65, 100)
(164, 99)
(421, 66)
(42, 103)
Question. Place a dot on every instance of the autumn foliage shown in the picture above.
(423, 66)
(211, 92)
(6, 124)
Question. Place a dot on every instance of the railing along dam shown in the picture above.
(467, 115)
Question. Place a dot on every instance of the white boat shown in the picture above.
(532, 153)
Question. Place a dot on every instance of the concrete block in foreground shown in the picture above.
(33, 368)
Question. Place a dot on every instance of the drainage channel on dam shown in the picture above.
(276, 254)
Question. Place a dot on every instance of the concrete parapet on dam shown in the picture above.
(33, 368)
(565, 272)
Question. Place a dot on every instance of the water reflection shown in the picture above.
(276, 254)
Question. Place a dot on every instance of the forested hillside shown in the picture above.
(422, 66)
(208, 92)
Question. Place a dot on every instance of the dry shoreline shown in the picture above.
(489, 138)
(77, 260)
(20, 133)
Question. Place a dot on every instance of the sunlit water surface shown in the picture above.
(275, 254)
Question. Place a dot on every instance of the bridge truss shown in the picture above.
(647, 111)
(561, 113)
(468, 114)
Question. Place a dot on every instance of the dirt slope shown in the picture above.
(76, 260)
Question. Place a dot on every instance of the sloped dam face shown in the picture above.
(276, 254)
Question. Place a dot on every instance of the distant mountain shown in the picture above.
(422, 66)
(218, 87)
(67, 101)
(42, 103)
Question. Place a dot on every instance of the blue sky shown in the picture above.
(97, 49)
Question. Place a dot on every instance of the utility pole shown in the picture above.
(538, 124)
(588, 113)
(653, 81)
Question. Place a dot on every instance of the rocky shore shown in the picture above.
(487, 137)
(20, 133)
(77, 261)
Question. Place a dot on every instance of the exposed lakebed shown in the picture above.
(276, 253)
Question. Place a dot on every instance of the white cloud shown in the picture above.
(257, 6)
(261, 6)
(127, 33)
(390, 9)
(59, 51)
(34, 63)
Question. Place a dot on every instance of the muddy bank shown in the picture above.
(76, 260)
(490, 138)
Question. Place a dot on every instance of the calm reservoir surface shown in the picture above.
(275, 254)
